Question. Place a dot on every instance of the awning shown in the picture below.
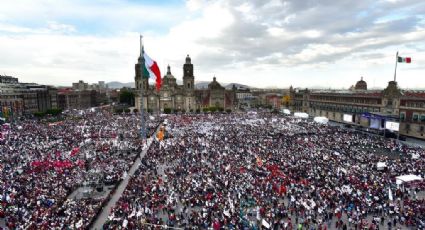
(407, 178)
(321, 120)
(301, 115)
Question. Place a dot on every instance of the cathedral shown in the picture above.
(183, 98)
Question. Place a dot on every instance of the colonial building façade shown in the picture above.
(367, 108)
(185, 97)
(18, 98)
(216, 96)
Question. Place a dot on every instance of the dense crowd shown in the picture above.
(251, 171)
(42, 163)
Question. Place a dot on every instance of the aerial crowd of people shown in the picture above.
(219, 171)
(252, 171)
(42, 163)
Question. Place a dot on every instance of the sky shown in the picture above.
(276, 43)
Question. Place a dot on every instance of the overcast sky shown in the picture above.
(304, 43)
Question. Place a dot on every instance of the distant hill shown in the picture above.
(198, 85)
(202, 84)
(119, 85)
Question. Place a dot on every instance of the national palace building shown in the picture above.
(367, 108)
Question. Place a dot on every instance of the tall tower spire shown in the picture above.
(141, 46)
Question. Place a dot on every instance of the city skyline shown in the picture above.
(278, 43)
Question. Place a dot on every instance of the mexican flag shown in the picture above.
(404, 59)
(151, 69)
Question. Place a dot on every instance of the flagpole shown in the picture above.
(395, 71)
(142, 109)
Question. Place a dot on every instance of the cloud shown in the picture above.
(65, 41)
(315, 23)
(194, 5)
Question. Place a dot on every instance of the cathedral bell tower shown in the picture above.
(188, 78)
(142, 76)
(141, 80)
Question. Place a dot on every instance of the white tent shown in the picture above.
(286, 111)
(381, 165)
(321, 120)
(407, 178)
(301, 115)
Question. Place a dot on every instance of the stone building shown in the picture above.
(80, 85)
(11, 100)
(175, 97)
(216, 96)
(18, 99)
(171, 95)
(367, 108)
(76, 99)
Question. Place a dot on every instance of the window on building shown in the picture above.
(415, 117)
(423, 117)
(402, 116)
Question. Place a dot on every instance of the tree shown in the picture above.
(127, 97)
(54, 112)
(39, 114)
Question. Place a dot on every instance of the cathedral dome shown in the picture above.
(169, 75)
(214, 84)
(361, 85)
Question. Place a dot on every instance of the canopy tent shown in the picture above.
(301, 115)
(407, 178)
(321, 120)
(381, 165)
(286, 111)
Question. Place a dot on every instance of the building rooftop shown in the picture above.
(365, 93)
(414, 94)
